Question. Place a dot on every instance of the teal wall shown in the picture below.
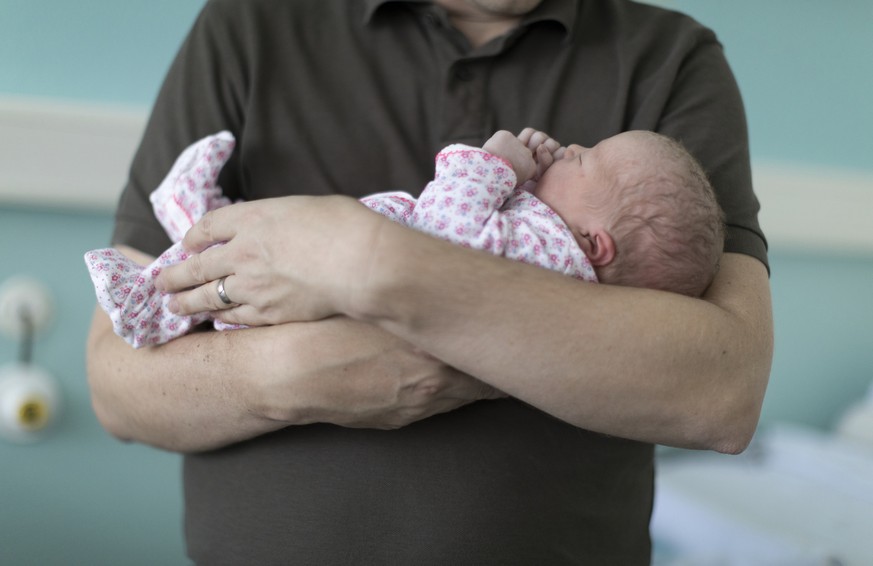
(82, 498)
(79, 497)
(806, 71)
(90, 50)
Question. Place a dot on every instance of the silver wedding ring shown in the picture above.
(222, 294)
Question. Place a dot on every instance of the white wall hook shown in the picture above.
(23, 294)
(30, 401)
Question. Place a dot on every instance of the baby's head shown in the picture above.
(642, 209)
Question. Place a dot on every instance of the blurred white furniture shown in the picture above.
(797, 497)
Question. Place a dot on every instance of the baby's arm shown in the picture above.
(397, 206)
(514, 151)
(469, 187)
(473, 201)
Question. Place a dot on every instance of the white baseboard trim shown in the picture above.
(75, 155)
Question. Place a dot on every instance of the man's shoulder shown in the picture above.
(640, 21)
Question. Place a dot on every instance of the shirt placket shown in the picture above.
(464, 112)
(461, 113)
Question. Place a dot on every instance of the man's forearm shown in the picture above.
(191, 394)
(211, 389)
(635, 363)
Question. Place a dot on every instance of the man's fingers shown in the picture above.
(198, 269)
(202, 299)
(216, 226)
(240, 313)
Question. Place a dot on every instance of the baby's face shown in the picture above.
(583, 177)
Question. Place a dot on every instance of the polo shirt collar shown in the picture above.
(560, 11)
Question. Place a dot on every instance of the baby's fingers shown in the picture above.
(533, 139)
(551, 145)
(544, 160)
(525, 135)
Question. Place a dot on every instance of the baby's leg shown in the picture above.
(125, 289)
(126, 292)
(190, 189)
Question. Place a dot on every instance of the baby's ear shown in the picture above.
(599, 246)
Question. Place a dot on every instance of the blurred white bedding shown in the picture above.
(797, 497)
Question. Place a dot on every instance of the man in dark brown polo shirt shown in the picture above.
(288, 457)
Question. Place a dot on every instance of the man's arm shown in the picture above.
(210, 389)
(635, 363)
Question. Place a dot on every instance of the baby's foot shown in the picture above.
(190, 189)
(126, 292)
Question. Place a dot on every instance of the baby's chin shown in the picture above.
(541, 191)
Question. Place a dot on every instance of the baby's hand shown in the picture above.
(545, 150)
(506, 145)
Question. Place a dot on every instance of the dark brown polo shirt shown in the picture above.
(355, 97)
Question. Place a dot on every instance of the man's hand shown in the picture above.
(395, 387)
(287, 259)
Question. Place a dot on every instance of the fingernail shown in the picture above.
(173, 306)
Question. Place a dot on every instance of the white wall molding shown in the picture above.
(65, 154)
(76, 155)
(815, 208)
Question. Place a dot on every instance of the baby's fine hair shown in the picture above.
(666, 223)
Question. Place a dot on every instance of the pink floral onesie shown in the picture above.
(125, 289)
(473, 201)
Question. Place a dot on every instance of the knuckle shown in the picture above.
(525, 135)
(210, 298)
(207, 224)
(195, 268)
(430, 387)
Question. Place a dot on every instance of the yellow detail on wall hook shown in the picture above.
(33, 414)
(30, 401)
